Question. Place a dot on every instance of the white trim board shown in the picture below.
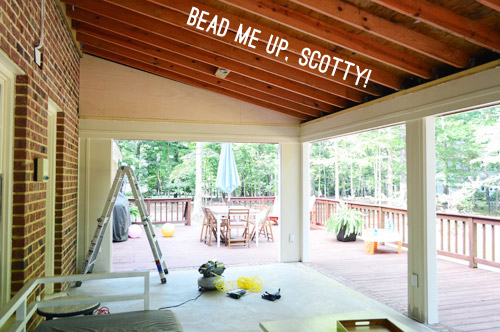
(465, 92)
(187, 131)
(8, 72)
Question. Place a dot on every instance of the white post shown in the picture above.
(422, 265)
(96, 164)
(306, 193)
(290, 194)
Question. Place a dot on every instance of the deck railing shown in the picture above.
(251, 202)
(466, 237)
(171, 210)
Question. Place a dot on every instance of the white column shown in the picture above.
(95, 169)
(290, 196)
(422, 266)
(306, 193)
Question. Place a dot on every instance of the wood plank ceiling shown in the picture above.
(402, 43)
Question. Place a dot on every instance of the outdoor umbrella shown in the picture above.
(227, 173)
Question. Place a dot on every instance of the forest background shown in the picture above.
(369, 167)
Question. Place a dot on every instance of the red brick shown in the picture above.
(59, 79)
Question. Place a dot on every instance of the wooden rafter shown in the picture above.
(295, 46)
(154, 36)
(389, 30)
(240, 74)
(493, 4)
(336, 35)
(92, 24)
(446, 20)
(123, 59)
(291, 70)
(90, 36)
(162, 28)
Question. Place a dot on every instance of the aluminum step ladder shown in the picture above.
(103, 223)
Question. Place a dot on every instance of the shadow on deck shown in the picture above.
(469, 299)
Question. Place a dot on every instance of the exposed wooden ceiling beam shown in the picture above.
(163, 29)
(120, 58)
(336, 35)
(291, 69)
(94, 38)
(493, 4)
(388, 30)
(295, 46)
(446, 20)
(240, 73)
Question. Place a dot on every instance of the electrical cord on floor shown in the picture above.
(178, 305)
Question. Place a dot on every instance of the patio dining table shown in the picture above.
(221, 211)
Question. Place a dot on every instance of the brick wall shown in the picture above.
(58, 79)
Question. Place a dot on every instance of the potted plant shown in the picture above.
(345, 223)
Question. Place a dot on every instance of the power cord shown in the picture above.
(178, 305)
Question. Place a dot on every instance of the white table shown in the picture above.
(372, 236)
(221, 211)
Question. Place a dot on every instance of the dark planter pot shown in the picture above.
(342, 238)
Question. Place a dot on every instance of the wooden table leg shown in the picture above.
(370, 247)
(399, 247)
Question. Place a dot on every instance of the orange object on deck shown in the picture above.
(274, 219)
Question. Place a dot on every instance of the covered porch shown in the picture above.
(415, 107)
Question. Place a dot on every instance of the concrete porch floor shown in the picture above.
(305, 293)
(469, 299)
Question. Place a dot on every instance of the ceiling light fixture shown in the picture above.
(221, 73)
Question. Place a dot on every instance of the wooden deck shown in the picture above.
(469, 299)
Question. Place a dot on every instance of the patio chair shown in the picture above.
(204, 225)
(212, 227)
(265, 225)
(238, 219)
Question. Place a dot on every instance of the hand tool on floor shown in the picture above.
(272, 297)
(103, 223)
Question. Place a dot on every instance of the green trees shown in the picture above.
(372, 165)
(364, 165)
(169, 168)
(468, 161)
